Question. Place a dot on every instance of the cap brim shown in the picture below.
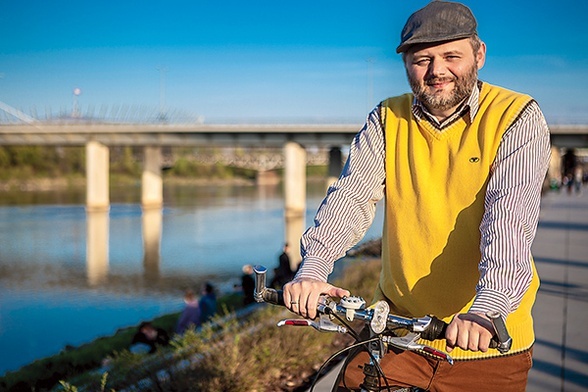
(403, 47)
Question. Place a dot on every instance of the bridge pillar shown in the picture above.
(294, 198)
(554, 171)
(335, 166)
(97, 167)
(151, 181)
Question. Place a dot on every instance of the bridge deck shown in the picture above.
(271, 135)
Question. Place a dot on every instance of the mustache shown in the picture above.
(434, 80)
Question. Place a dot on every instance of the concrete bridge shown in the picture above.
(77, 132)
(99, 137)
(293, 139)
(259, 135)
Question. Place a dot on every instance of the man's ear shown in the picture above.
(481, 55)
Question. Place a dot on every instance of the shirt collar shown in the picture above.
(467, 109)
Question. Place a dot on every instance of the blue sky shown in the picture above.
(271, 61)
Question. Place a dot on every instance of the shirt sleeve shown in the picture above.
(349, 207)
(511, 214)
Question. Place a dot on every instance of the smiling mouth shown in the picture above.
(438, 83)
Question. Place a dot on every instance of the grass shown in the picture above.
(45, 373)
(254, 355)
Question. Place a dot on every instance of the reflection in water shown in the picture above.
(295, 225)
(152, 221)
(97, 247)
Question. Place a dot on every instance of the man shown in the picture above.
(283, 273)
(149, 336)
(248, 284)
(461, 164)
(207, 303)
(190, 316)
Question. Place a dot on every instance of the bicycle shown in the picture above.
(382, 327)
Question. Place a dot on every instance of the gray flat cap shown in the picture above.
(438, 21)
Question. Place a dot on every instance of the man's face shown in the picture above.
(443, 75)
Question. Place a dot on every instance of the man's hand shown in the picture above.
(301, 295)
(469, 331)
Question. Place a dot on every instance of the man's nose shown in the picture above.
(437, 69)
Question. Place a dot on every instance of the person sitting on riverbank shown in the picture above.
(207, 303)
(247, 285)
(190, 317)
(148, 338)
(283, 273)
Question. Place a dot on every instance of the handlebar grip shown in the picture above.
(435, 330)
(272, 296)
(438, 327)
(263, 293)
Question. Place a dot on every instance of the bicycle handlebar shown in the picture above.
(431, 328)
(378, 317)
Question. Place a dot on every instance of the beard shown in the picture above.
(441, 100)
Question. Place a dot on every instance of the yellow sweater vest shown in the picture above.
(435, 188)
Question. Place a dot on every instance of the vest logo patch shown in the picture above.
(474, 159)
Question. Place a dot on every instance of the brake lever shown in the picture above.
(324, 324)
(410, 342)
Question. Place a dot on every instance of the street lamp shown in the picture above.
(76, 110)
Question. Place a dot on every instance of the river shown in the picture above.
(68, 277)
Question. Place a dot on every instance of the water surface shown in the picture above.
(67, 277)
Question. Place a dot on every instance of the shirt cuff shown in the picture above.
(487, 300)
(314, 268)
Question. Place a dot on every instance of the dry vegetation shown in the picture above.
(254, 355)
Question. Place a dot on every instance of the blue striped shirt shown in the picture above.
(511, 204)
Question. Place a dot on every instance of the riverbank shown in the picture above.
(46, 184)
(41, 184)
(45, 373)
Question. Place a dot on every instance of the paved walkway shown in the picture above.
(561, 310)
